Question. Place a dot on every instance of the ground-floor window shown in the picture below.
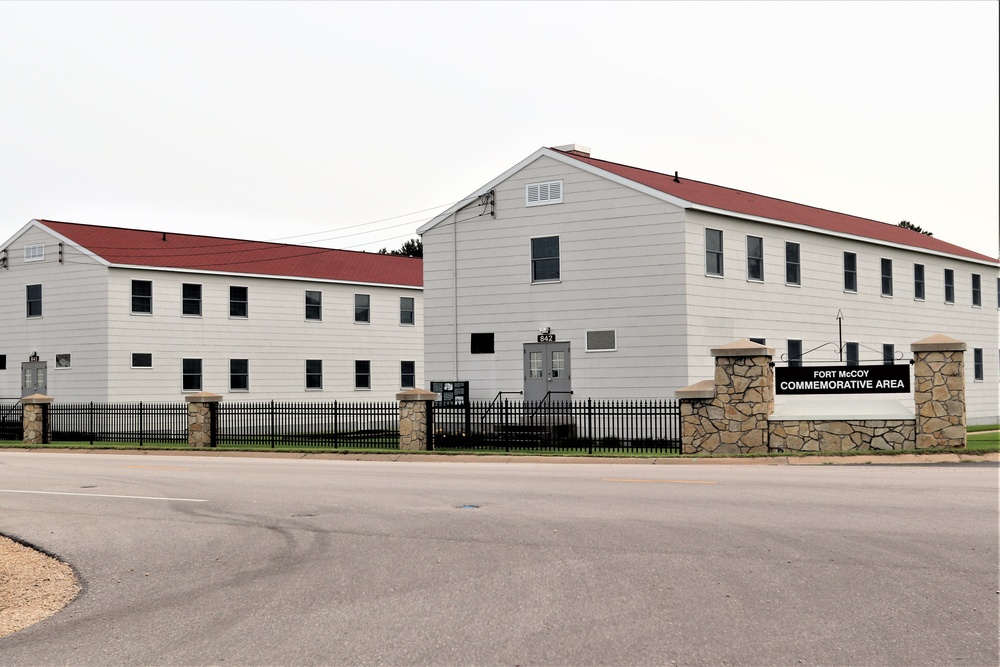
(191, 369)
(407, 374)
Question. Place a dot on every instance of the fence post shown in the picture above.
(37, 426)
(415, 406)
(201, 429)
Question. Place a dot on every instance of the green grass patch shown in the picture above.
(983, 427)
(984, 442)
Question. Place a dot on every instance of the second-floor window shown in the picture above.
(755, 258)
(314, 305)
(886, 277)
(407, 314)
(850, 272)
(239, 301)
(977, 290)
(793, 269)
(949, 286)
(191, 299)
(362, 308)
(918, 282)
(545, 259)
(713, 252)
(33, 300)
(142, 297)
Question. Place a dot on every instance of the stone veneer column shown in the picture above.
(415, 413)
(200, 418)
(939, 391)
(729, 415)
(32, 419)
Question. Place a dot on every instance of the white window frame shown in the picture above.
(69, 360)
(978, 365)
(751, 278)
(306, 304)
(246, 303)
(543, 193)
(586, 339)
(885, 279)
(920, 280)
(28, 301)
(797, 264)
(977, 290)
(367, 309)
(132, 360)
(307, 374)
(186, 300)
(721, 253)
(949, 285)
(200, 375)
(246, 374)
(403, 374)
(358, 374)
(412, 310)
(853, 273)
(34, 252)
(558, 258)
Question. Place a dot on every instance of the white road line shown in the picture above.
(101, 495)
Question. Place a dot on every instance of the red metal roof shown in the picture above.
(136, 247)
(747, 203)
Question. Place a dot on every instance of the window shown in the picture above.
(239, 375)
(33, 300)
(853, 358)
(792, 270)
(977, 363)
(886, 277)
(539, 194)
(850, 272)
(34, 252)
(314, 305)
(759, 341)
(191, 299)
(602, 341)
(142, 297)
(407, 374)
(977, 290)
(794, 353)
(362, 375)
(888, 354)
(482, 343)
(918, 282)
(362, 308)
(407, 314)
(998, 293)
(239, 301)
(545, 259)
(755, 258)
(64, 361)
(713, 252)
(3, 362)
(314, 374)
(949, 286)
(142, 360)
(191, 370)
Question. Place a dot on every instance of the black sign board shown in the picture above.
(805, 380)
(452, 393)
(546, 338)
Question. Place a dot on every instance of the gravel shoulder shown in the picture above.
(33, 586)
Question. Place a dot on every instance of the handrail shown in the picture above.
(545, 398)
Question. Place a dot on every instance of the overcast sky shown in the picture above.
(349, 125)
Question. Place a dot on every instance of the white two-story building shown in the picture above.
(567, 273)
(130, 315)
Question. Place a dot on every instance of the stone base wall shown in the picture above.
(842, 435)
(199, 425)
(33, 425)
(939, 396)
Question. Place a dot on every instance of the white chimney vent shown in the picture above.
(575, 149)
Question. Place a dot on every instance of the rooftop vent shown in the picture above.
(575, 149)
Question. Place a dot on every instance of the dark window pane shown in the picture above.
(362, 308)
(142, 296)
(545, 258)
(239, 299)
(362, 375)
(191, 299)
(850, 272)
(482, 343)
(407, 374)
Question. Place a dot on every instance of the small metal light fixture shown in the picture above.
(545, 330)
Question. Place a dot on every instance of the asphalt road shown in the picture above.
(242, 561)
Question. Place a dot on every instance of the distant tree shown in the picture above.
(412, 248)
(906, 224)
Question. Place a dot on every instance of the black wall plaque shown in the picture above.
(805, 380)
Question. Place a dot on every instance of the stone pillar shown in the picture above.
(728, 415)
(939, 391)
(415, 415)
(36, 431)
(201, 431)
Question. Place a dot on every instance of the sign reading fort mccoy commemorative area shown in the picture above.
(801, 380)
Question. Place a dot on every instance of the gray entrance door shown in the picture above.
(546, 369)
(34, 377)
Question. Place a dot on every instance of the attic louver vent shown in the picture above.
(538, 194)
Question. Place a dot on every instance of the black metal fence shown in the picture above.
(338, 425)
(11, 420)
(142, 423)
(594, 427)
